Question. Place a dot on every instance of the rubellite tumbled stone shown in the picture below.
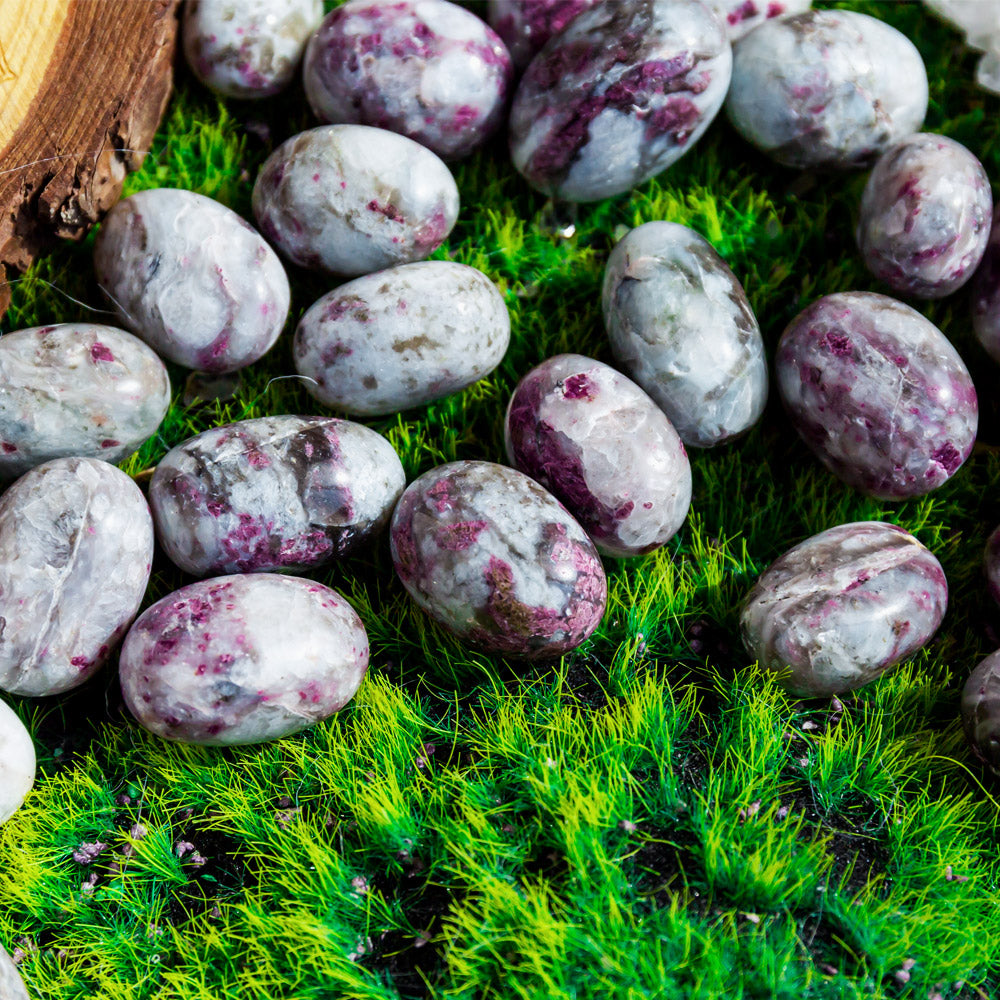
(981, 711)
(878, 393)
(681, 326)
(841, 608)
(76, 545)
(428, 69)
(402, 337)
(350, 199)
(925, 216)
(281, 492)
(526, 25)
(624, 91)
(192, 278)
(826, 88)
(17, 769)
(741, 16)
(497, 560)
(76, 389)
(603, 448)
(247, 48)
(986, 294)
(11, 983)
(242, 659)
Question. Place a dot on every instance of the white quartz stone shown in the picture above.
(17, 771)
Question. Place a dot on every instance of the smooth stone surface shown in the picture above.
(925, 216)
(604, 449)
(242, 659)
(402, 337)
(76, 545)
(247, 49)
(826, 88)
(17, 770)
(349, 199)
(76, 389)
(741, 16)
(991, 564)
(192, 278)
(11, 983)
(843, 607)
(282, 492)
(624, 91)
(878, 393)
(428, 69)
(526, 25)
(681, 326)
(497, 560)
(981, 711)
(986, 294)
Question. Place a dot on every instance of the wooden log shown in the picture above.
(83, 85)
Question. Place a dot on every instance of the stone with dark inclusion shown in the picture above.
(878, 393)
(526, 25)
(282, 492)
(242, 659)
(826, 88)
(428, 69)
(17, 772)
(841, 608)
(604, 449)
(624, 91)
(925, 216)
(981, 711)
(497, 560)
(680, 324)
(986, 294)
(11, 983)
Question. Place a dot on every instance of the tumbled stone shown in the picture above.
(192, 278)
(401, 338)
(624, 91)
(604, 449)
(841, 608)
(350, 199)
(497, 560)
(980, 22)
(282, 492)
(17, 773)
(242, 659)
(826, 88)
(986, 294)
(11, 983)
(76, 389)
(991, 564)
(247, 48)
(428, 69)
(76, 545)
(526, 25)
(681, 326)
(878, 393)
(741, 16)
(925, 216)
(981, 711)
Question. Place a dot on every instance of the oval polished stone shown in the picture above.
(526, 25)
(604, 449)
(17, 769)
(826, 88)
(986, 294)
(624, 91)
(739, 17)
(191, 278)
(350, 199)
(242, 659)
(11, 983)
(247, 49)
(878, 393)
(281, 492)
(76, 389)
(497, 560)
(981, 711)
(681, 326)
(402, 337)
(427, 69)
(925, 216)
(76, 545)
(843, 607)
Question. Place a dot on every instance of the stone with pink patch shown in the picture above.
(739, 17)
(526, 25)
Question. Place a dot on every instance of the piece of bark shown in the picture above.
(83, 85)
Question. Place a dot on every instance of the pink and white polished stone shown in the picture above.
(841, 608)
(526, 25)
(349, 199)
(925, 216)
(497, 560)
(981, 711)
(11, 983)
(878, 393)
(76, 546)
(242, 659)
(428, 69)
(17, 770)
(248, 49)
(192, 278)
(604, 449)
(282, 492)
(986, 293)
(741, 16)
